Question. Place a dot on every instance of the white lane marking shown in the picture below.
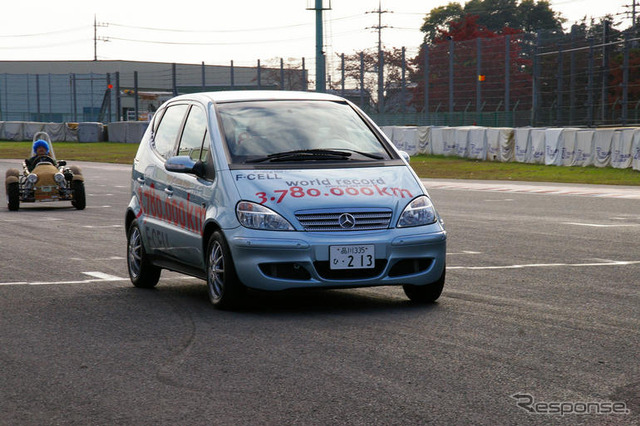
(546, 265)
(601, 225)
(98, 207)
(44, 219)
(102, 226)
(98, 258)
(97, 277)
(465, 252)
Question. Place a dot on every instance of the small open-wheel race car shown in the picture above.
(43, 178)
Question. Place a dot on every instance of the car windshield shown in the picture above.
(295, 131)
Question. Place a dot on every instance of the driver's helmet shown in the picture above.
(42, 137)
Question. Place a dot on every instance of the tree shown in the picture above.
(465, 33)
(495, 15)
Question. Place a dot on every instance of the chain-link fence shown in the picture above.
(588, 77)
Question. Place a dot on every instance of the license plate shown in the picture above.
(352, 257)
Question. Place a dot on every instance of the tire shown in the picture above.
(13, 196)
(142, 273)
(428, 293)
(79, 196)
(224, 288)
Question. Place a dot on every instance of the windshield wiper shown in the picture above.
(303, 155)
(366, 154)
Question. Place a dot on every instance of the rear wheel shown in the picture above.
(224, 287)
(13, 196)
(425, 293)
(142, 273)
(79, 196)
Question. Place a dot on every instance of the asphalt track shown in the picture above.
(542, 300)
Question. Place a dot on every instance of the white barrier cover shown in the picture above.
(635, 151)
(478, 143)
(56, 131)
(437, 140)
(552, 147)
(621, 148)
(538, 146)
(583, 155)
(500, 143)
(29, 129)
(13, 131)
(406, 139)
(461, 148)
(449, 141)
(522, 144)
(568, 151)
(127, 131)
(602, 147)
(388, 131)
(424, 140)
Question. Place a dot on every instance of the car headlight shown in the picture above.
(32, 178)
(419, 212)
(59, 178)
(256, 216)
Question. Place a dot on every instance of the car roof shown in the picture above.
(258, 95)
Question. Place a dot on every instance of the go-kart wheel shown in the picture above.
(224, 287)
(425, 293)
(142, 273)
(13, 196)
(79, 197)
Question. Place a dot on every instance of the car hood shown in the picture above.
(295, 190)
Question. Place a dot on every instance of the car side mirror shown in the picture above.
(405, 156)
(184, 164)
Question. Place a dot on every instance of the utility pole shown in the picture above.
(379, 28)
(321, 85)
(96, 38)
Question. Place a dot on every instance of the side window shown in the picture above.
(167, 133)
(193, 136)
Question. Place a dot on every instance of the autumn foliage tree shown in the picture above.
(468, 37)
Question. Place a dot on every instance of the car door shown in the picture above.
(187, 193)
(155, 180)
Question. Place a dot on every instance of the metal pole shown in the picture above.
(507, 78)
(118, 98)
(451, 47)
(604, 70)
(625, 80)
(342, 72)
(478, 80)
(426, 82)
(559, 77)
(38, 96)
(135, 92)
(361, 80)
(281, 74)
(75, 98)
(590, 84)
(304, 76)
(232, 75)
(204, 85)
(109, 104)
(259, 76)
(403, 96)
(572, 78)
(174, 79)
(380, 81)
(320, 66)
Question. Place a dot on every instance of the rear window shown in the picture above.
(257, 129)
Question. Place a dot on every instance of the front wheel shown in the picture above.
(425, 293)
(224, 287)
(79, 196)
(143, 274)
(13, 196)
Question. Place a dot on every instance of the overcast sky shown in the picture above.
(217, 31)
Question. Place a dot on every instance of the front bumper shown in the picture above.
(284, 260)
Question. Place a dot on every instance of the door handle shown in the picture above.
(168, 191)
(140, 180)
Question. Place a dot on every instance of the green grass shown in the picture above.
(106, 152)
(432, 166)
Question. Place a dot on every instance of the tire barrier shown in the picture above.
(605, 147)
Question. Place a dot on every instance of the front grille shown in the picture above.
(330, 220)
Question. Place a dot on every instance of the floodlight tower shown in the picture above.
(320, 62)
